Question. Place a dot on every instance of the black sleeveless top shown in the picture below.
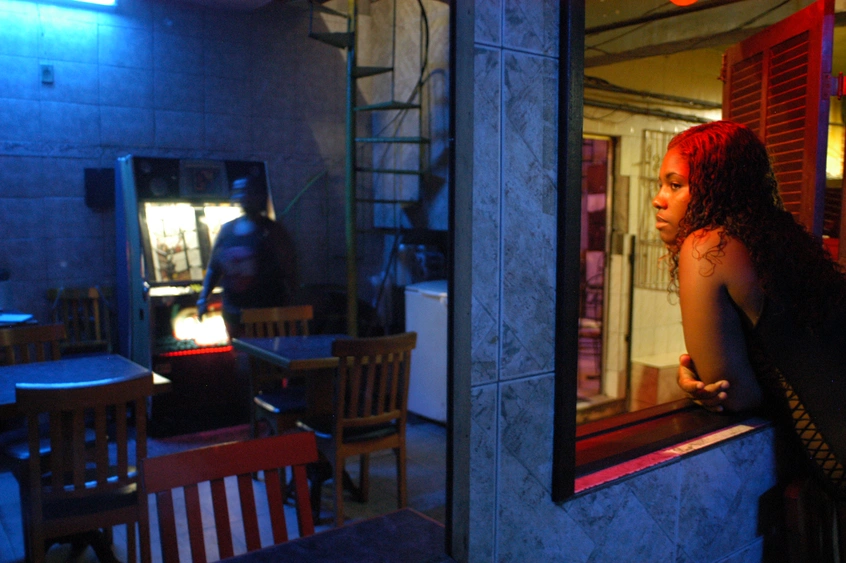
(803, 371)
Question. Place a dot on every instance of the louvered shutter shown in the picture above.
(776, 83)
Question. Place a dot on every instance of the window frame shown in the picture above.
(583, 449)
(568, 235)
(607, 442)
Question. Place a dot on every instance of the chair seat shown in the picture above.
(281, 401)
(323, 425)
(14, 445)
(125, 497)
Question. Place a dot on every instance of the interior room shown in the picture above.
(158, 106)
(434, 207)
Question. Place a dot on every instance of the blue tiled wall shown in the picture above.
(703, 507)
(163, 78)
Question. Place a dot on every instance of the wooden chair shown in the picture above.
(24, 345)
(275, 400)
(186, 470)
(85, 314)
(35, 343)
(79, 490)
(277, 321)
(371, 409)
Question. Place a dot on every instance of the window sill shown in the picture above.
(598, 407)
(613, 448)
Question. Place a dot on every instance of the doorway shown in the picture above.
(596, 175)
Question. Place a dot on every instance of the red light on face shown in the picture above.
(683, 2)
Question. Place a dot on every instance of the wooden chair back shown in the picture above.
(372, 386)
(31, 343)
(185, 470)
(83, 486)
(277, 321)
(86, 317)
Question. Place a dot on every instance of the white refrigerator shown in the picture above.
(426, 314)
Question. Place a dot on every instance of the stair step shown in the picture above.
(389, 201)
(387, 106)
(340, 39)
(316, 6)
(326, 10)
(390, 171)
(364, 71)
(412, 140)
(393, 231)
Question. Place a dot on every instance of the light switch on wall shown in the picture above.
(47, 74)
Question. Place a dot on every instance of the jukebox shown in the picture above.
(168, 212)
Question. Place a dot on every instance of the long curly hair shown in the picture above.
(733, 187)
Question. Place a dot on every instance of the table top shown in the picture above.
(69, 370)
(403, 536)
(14, 318)
(292, 352)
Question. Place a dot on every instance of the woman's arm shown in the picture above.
(713, 330)
(711, 396)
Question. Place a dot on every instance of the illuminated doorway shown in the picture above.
(596, 174)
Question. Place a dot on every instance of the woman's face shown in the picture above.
(673, 195)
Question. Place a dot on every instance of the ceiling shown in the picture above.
(620, 30)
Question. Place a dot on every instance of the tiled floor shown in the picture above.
(426, 489)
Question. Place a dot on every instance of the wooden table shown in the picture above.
(307, 357)
(69, 370)
(403, 536)
(295, 353)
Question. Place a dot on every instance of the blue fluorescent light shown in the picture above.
(98, 2)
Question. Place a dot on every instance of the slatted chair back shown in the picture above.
(277, 321)
(372, 386)
(31, 343)
(274, 402)
(86, 317)
(83, 485)
(371, 411)
(162, 475)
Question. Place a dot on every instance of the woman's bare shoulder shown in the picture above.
(700, 251)
(713, 243)
(702, 241)
(712, 251)
(704, 265)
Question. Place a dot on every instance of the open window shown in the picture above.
(776, 82)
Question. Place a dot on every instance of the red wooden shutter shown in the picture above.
(776, 82)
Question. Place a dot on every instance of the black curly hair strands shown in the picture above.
(733, 187)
